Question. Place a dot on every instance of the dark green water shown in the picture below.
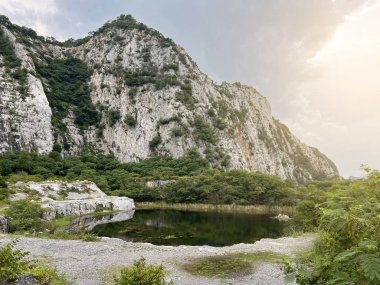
(172, 227)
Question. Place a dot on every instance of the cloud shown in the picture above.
(36, 14)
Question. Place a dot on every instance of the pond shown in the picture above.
(173, 227)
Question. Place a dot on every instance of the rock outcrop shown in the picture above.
(85, 207)
(56, 190)
(62, 198)
(141, 95)
(3, 225)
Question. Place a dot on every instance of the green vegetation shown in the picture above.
(155, 142)
(232, 265)
(346, 216)
(10, 60)
(25, 216)
(130, 121)
(12, 64)
(149, 75)
(13, 264)
(143, 274)
(114, 117)
(68, 90)
(195, 181)
(204, 131)
(185, 96)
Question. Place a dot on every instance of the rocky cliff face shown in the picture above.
(129, 91)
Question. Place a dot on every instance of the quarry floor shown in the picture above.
(92, 263)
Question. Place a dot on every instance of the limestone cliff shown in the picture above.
(129, 91)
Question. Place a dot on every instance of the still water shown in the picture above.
(172, 227)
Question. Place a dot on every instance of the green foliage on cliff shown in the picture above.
(10, 60)
(68, 90)
(12, 63)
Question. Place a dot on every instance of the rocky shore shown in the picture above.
(85, 263)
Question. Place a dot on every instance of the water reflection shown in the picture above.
(171, 227)
(87, 223)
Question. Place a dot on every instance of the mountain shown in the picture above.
(129, 91)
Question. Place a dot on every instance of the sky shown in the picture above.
(317, 61)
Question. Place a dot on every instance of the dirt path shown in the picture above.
(83, 262)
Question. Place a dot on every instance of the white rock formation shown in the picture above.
(3, 224)
(85, 207)
(53, 190)
(69, 198)
(242, 132)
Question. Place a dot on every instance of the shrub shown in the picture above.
(155, 142)
(114, 116)
(203, 131)
(307, 216)
(142, 274)
(130, 120)
(3, 189)
(170, 66)
(25, 216)
(348, 248)
(185, 96)
(57, 147)
(12, 262)
(47, 275)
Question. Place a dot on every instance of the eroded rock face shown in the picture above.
(69, 198)
(3, 225)
(85, 207)
(53, 190)
(145, 86)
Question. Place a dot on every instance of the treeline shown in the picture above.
(192, 180)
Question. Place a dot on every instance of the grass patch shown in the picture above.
(63, 221)
(67, 236)
(109, 274)
(249, 209)
(231, 265)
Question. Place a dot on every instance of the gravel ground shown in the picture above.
(83, 261)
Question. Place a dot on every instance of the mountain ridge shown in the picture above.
(129, 91)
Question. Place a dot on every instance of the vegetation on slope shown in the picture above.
(192, 178)
(347, 217)
(12, 63)
(68, 90)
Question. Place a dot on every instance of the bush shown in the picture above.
(3, 189)
(114, 116)
(12, 262)
(307, 216)
(154, 143)
(130, 120)
(348, 248)
(25, 216)
(142, 274)
(203, 131)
